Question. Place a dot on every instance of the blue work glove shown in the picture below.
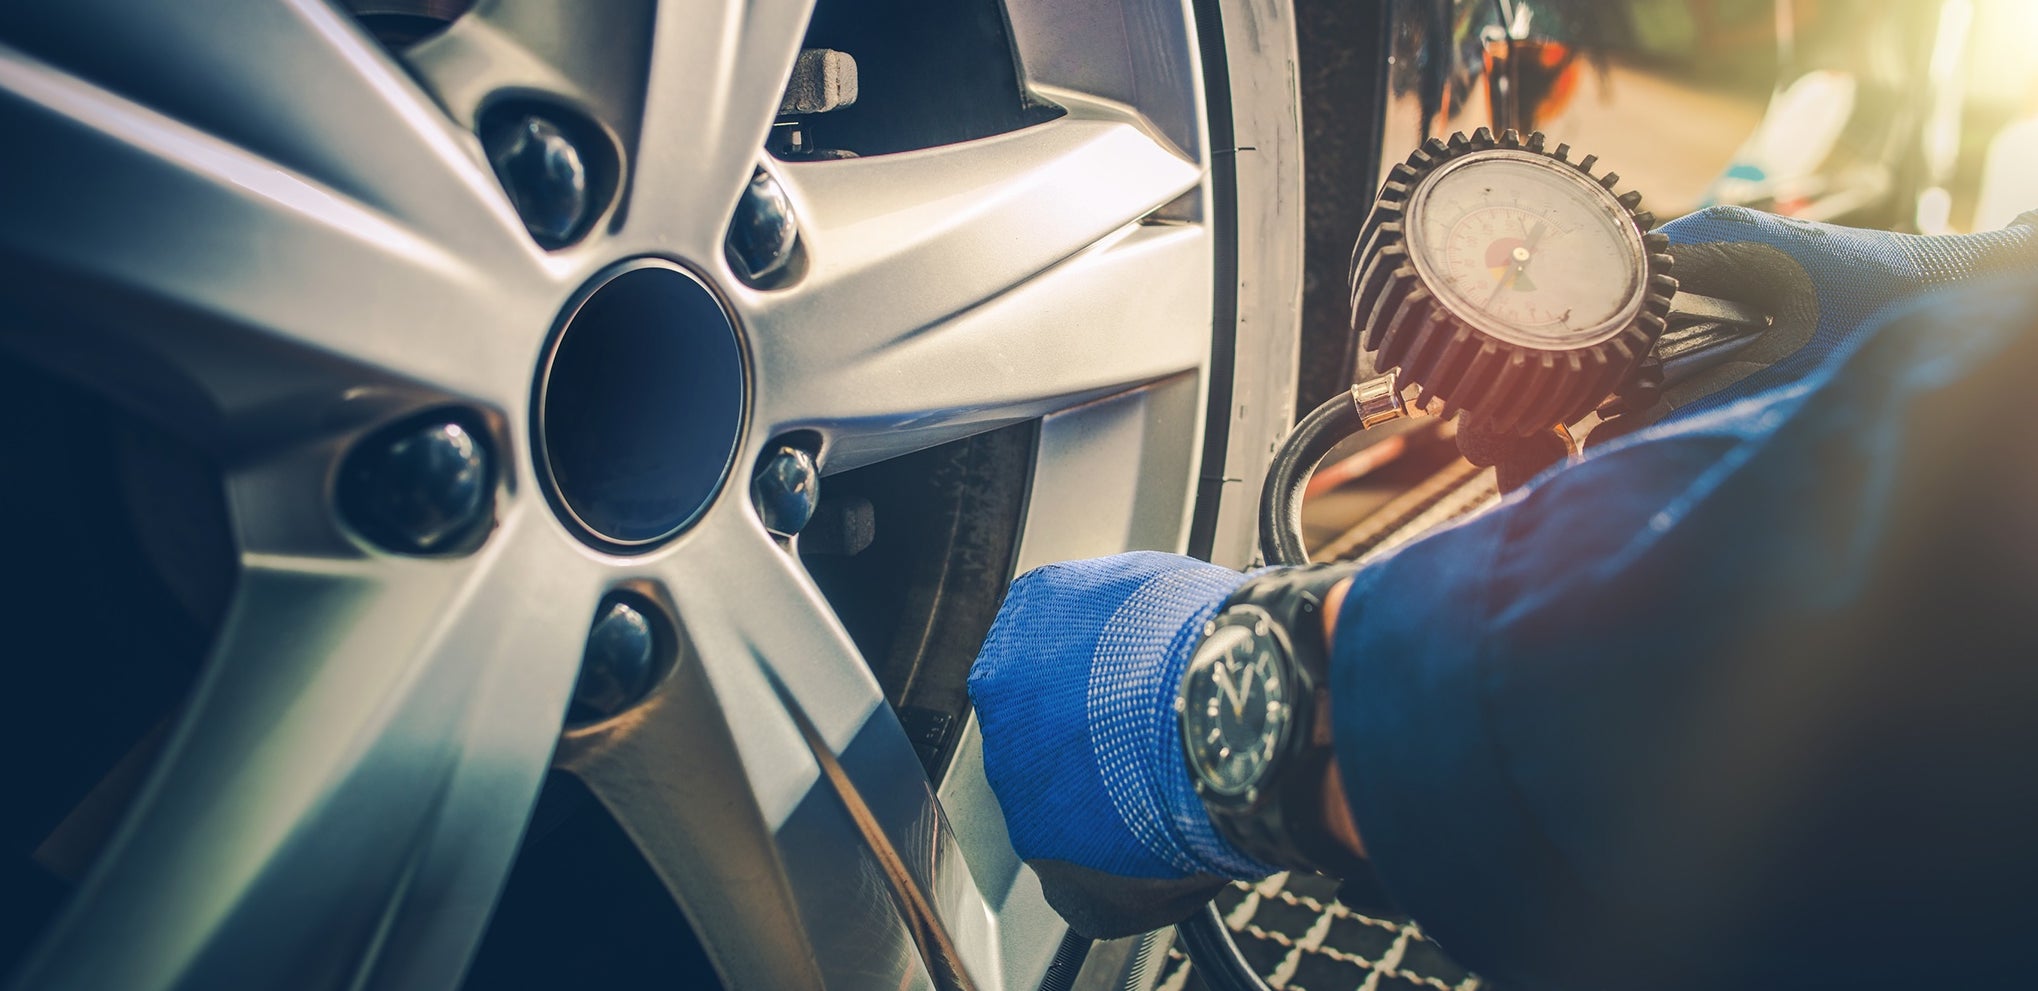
(1075, 690)
(1821, 282)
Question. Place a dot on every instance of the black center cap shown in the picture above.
(639, 404)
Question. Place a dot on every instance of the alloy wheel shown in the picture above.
(473, 330)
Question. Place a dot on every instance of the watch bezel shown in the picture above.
(1299, 693)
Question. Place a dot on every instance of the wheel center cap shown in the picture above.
(639, 405)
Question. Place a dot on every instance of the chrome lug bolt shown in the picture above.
(763, 237)
(418, 488)
(544, 174)
(785, 489)
(620, 662)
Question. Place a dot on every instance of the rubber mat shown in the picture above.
(1295, 933)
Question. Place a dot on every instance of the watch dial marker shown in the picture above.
(1234, 705)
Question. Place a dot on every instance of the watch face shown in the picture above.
(1235, 707)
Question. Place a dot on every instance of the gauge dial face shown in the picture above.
(1235, 708)
(1527, 249)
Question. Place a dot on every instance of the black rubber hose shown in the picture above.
(1206, 940)
(1281, 498)
(1211, 949)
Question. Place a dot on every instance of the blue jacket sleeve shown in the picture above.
(1746, 700)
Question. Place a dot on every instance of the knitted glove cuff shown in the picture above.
(1142, 652)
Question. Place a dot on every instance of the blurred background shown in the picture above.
(1914, 115)
(1908, 115)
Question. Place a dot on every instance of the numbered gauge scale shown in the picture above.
(1507, 281)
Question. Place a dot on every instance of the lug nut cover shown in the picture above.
(418, 488)
(763, 236)
(620, 662)
(785, 489)
(545, 176)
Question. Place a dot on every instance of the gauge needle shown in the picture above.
(1521, 256)
(1506, 279)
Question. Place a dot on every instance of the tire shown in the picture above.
(350, 670)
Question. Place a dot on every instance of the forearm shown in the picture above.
(1704, 689)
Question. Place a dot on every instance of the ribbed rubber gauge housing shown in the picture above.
(1508, 281)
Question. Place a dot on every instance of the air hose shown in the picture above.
(1368, 404)
(1205, 938)
(1705, 332)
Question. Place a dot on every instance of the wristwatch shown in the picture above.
(1250, 706)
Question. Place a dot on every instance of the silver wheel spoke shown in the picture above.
(798, 828)
(197, 263)
(719, 68)
(593, 55)
(981, 284)
(294, 82)
(348, 784)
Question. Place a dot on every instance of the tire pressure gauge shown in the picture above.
(1508, 281)
(1504, 281)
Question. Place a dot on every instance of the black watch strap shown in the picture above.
(1285, 826)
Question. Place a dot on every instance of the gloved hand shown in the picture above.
(1821, 282)
(1075, 690)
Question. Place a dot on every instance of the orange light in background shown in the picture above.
(1542, 77)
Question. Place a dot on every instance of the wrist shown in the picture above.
(1337, 811)
(1333, 603)
(1255, 720)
